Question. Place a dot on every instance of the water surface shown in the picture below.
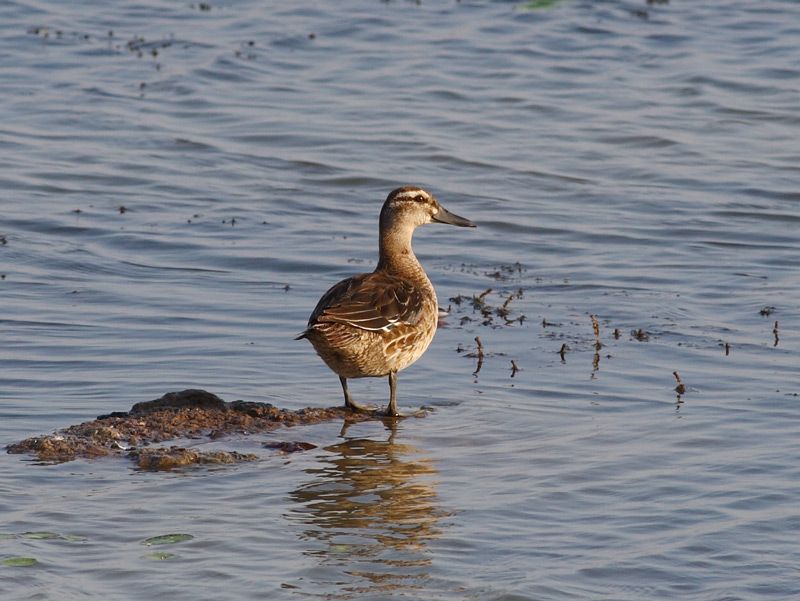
(180, 182)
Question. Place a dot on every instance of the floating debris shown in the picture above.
(767, 311)
(506, 272)
(167, 539)
(159, 556)
(40, 535)
(489, 313)
(20, 562)
(479, 354)
(538, 4)
(775, 333)
(514, 368)
(479, 301)
(596, 327)
(563, 351)
(641, 335)
(681, 387)
(727, 348)
(503, 311)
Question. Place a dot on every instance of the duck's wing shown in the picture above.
(373, 301)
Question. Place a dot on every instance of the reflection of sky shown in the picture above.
(368, 511)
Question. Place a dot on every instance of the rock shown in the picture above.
(290, 447)
(193, 414)
(161, 458)
(174, 400)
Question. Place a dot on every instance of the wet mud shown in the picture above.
(188, 414)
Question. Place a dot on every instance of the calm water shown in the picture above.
(179, 183)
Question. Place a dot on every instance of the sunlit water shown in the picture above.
(179, 182)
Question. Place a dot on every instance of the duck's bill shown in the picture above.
(445, 216)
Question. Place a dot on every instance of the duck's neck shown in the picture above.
(396, 255)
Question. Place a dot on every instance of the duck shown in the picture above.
(377, 324)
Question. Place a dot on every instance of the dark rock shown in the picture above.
(192, 397)
(252, 408)
(290, 447)
(112, 414)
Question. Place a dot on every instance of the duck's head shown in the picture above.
(411, 205)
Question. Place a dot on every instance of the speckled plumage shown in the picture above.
(376, 324)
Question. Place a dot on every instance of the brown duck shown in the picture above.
(375, 324)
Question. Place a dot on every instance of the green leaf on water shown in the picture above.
(20, 562)
(74, 538)
(159, 556)
(167, 539)
(536, 4)
(41, 535)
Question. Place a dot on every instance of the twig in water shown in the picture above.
(480, 355)
(563, 350)
(503, 311)
(681, 387)
(514, 368)
(482, 296)
(775, 333)
(596, 327)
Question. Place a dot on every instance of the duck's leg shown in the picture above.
(391, 410)
(348, 400)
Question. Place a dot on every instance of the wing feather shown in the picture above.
(373, 301)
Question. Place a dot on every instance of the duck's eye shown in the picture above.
(419, 198)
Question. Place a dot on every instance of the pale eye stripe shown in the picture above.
(412, 194)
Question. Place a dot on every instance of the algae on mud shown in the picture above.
(192, 413)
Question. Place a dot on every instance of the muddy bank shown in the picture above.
(193, 414)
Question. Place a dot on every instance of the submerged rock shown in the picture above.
(193, 414)
(161, 458)
(290, 446)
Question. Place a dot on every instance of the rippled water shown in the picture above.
(180, 181)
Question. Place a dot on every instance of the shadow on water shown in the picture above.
(369, 511)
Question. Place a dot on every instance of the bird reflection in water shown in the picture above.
(370, 510)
